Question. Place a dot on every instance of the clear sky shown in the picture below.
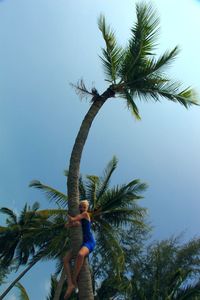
(45, 45)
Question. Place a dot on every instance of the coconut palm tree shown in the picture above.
(31, 237)
(113, 210)
(166, 270)
(132, 73)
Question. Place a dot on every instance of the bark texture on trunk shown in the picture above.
(84, 282)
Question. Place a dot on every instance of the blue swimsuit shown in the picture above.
(88, 239)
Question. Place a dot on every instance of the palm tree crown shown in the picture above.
(135, 71)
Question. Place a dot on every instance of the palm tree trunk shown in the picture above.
(84, 282)
(19, 277)
(59, 285)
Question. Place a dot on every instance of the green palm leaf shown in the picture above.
(112, 54)
(46, 213)
(131, 105)
(142, 42)
(190, 292)
(12, 216)
(156, 66)
(91, 189)
(166, 89)
(51, 193)
(23, 292)
(124, 216)
(121, 196)
(105, 179)
(108, 245)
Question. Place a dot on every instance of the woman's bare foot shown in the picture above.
(69, 291)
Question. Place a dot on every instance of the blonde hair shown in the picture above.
(84, 201)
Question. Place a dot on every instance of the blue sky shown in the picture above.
(47, 44)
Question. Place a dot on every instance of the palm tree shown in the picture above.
(166, 270)
(113, 210)
(132, 73)
(31, 237)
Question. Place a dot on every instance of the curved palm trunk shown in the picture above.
(19, 277)
(84, 282)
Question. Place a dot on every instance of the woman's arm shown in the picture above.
(72, 224)
(84, 215)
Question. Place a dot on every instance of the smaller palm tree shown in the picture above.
(167, 270)
(30, 237)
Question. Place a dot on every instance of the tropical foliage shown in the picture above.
(166, 270)
(40, 234)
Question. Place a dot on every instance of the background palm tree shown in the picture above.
(30, 237)
(132, 73)
(166, 270)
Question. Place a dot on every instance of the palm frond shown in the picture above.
(156, 66)
(46, 213)
(124, 216)
(190, 291)
(10, 213)
(142, 42)
(121, 196)
(108, 244)
(23, 292)
(82, 91)
(145, 31)
(131, 105)
(166, 89)
(105, 179)
(91, 189)
(112, 54)
(51, 193)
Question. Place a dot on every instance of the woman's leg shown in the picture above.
(83, 252)
(68, 271)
